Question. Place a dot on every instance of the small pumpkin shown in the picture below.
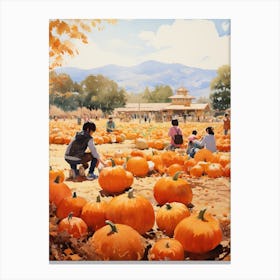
(94, 213)
(199, 233)
(53, 174)
(172, 189)
(114, 179)
(169, 215)
(69, 204)
(227, 170)
(58, 191)
(203, 155)
(214, 170)
(74, 226)
(166, 249)
(141, 144)
(135, 211)
(173, 168)
(138, 166)
(117, 242)
(197, 171)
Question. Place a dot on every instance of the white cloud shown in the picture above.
(192, 42)
(92, 56)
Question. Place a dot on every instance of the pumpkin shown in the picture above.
(159, 144)
(197, 171)
(74, 226)
(117, 242)
(169, 215)
(159, 166)
(54, 173)
(137, 153)
(135, 211)
(172, 189)
(138, 166)
(141, 144)
(69, 204)
(203, 155)
(166, 249)
(58, 191)
(224, 160)
(168, 158)
(189, 163)
(94, 213)
(173, 168)
(214, 170)
(114, 179)
(227, 170)
(199, 233)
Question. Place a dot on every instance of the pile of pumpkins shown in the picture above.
(119, 224)
(140, 163)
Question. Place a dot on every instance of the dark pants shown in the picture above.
(85, 158)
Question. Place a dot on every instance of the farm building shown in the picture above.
(181, 105)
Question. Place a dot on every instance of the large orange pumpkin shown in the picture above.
(135, 211)
(58, 191)
(94, 213)
(74, 226)
(172, 189)
(166, 249)
(203, 155)
(114, 179)
(117, 242)
(199, 233)
(169, 215)
(174, 168)
(214, 170)
(138, 166)
(69, 204)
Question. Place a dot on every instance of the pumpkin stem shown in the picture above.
(74, 195)
(57, 179)
(130, 193)
(176, 175)
(201, 215)
(167, 245)
(70, 216)
(113, 162)
(112, 225)
(168, 206)
(98, 199)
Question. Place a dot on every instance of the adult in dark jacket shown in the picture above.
(75, 152)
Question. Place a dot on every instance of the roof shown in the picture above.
(180, 96)
(193, 106)
(155, 107)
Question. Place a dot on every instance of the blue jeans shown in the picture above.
(85, 158)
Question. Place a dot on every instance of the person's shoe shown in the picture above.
(81, 171)
(73, 173)
(92, 176)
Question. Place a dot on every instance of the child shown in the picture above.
(172, 132)
(110, 125)
(193, 136)
(75, 152)
(226, 125)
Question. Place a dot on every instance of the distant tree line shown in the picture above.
(99, 92)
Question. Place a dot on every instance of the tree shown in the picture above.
(220, 89)
(61, 83)
(63, 33)
(160, 94)
(102, 93)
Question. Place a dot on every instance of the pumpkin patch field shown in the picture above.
(148, 204)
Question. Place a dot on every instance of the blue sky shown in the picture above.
(196, 43)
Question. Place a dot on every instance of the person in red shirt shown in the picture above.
(226, 121)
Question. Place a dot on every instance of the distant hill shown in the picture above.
(149, 74)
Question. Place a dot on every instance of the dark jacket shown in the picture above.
(79, 145)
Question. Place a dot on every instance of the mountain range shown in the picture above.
(135, 79)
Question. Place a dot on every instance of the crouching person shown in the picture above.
(75, 153)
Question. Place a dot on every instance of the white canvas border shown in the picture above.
(24, 138)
